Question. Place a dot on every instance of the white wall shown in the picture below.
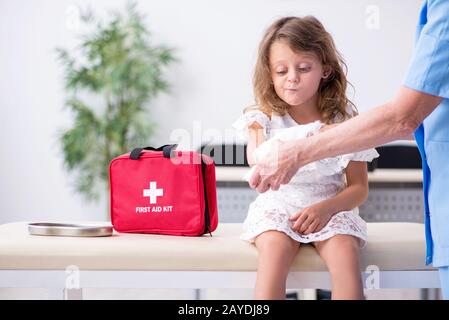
(216, 42)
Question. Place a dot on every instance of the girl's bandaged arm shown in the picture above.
(259, 147)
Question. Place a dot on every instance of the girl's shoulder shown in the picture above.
(252, 117)
(274, 120)
(253, 114)
(255, 109)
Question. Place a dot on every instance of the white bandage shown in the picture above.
(284, 134)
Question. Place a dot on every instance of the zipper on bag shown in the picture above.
(206, 204)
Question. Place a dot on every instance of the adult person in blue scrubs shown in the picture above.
(421, 107)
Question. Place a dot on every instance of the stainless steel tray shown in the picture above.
(69, 230)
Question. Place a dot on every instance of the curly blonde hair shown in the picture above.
(305, 34)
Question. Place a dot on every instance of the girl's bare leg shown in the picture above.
(341, 254)
(276, 254)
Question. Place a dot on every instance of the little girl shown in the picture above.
(299, 82)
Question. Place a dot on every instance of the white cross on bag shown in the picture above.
(153, 192)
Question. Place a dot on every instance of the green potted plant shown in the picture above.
(120, 72)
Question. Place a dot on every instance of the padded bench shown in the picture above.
(393, 258)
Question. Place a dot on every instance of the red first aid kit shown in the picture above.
(164, 191)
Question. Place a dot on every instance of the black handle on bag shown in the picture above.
(166, 151)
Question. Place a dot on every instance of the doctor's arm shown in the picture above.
(395, 120)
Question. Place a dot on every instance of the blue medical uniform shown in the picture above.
(429, 73)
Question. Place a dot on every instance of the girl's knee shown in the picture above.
(341, 253)
(344, 242)
(275, 241)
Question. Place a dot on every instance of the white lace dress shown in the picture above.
(312, 183)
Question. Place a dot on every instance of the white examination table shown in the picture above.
(396, 250)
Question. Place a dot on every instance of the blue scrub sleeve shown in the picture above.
(429, 69)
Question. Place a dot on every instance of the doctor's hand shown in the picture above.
(311, 219)
(277, 168)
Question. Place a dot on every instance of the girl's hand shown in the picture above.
(311, 219)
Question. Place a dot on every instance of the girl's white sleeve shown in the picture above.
(243, 122)
(365, 155)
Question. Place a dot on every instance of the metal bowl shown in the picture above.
(69, 230)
